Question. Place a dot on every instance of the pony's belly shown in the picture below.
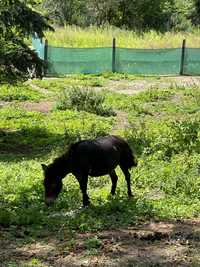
(100, 172)
(103, 165)
(97, 173)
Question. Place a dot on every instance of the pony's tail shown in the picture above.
(128, 159)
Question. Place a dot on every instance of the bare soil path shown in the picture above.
(149, 244)
(139, 85)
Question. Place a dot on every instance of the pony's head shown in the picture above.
(52, 184)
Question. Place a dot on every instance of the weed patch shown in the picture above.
(19, 92)
(84, 99)
(163, 131)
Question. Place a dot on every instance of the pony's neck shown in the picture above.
(60, 166)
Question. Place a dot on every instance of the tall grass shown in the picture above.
(73, 36)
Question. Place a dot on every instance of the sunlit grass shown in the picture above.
(163, 130)
(73, 36)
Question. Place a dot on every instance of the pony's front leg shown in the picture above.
(83, 180)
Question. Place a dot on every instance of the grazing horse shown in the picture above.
(89, 158)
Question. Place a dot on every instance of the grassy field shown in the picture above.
(73, 36)
(163, 128)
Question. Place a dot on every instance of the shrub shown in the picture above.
(84, 100)
(19, 92)
(166, 137)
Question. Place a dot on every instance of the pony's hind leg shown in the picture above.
(83, 185)
(114, 179)
(128, 180)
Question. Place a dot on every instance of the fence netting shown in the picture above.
(148, 61)
(63, 61)
(191, 64)
(78, 60)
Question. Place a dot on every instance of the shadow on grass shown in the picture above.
(113, 223)
(28, 209)
(27, 143)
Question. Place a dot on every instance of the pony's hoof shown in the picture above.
(85, 207)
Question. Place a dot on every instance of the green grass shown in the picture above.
(84, 99)
(165, 134)
(73, 36)
(19, 93)
(56, 85)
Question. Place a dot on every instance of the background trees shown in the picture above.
(18, 21)
(161, 15)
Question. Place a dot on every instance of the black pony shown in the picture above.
(89, 158)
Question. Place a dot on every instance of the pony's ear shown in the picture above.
(44, 167)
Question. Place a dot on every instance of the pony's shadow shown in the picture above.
(116, 212)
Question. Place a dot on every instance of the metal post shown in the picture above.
(114, 55)
(45, 56)
(182, 57)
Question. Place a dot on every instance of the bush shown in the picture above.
(166, 137)
(84, 100)
(19, 92)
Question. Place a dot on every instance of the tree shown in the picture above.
(196, 13)
(66, 11)
(137, 15)
(18, 21)
(102, 12)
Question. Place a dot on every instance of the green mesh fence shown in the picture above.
(123, 60)
(148, 61)
(78, 60)
(191, 64)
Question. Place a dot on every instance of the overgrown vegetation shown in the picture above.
(163, 131)
(19, 21)
(84, 99)
(73, 36)
(160, 15)
(19, 92)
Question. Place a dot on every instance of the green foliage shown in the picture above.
(73, 36)
(167, 136)
(58, 85)
(19, 92)
(92, 243)
(164, 133)
(84, 99)
(160, 15)
(17, 21)
(25, 132)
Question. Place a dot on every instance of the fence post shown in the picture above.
(45, 56)
(114, 55)
(182, 57)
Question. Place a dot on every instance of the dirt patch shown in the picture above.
(139, 85)
(152, 244)
(4, 103)
(43, 106)
(38, 88)
(121, 121)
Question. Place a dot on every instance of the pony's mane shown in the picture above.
(73, 147)
(60, 159)
(64, 157)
